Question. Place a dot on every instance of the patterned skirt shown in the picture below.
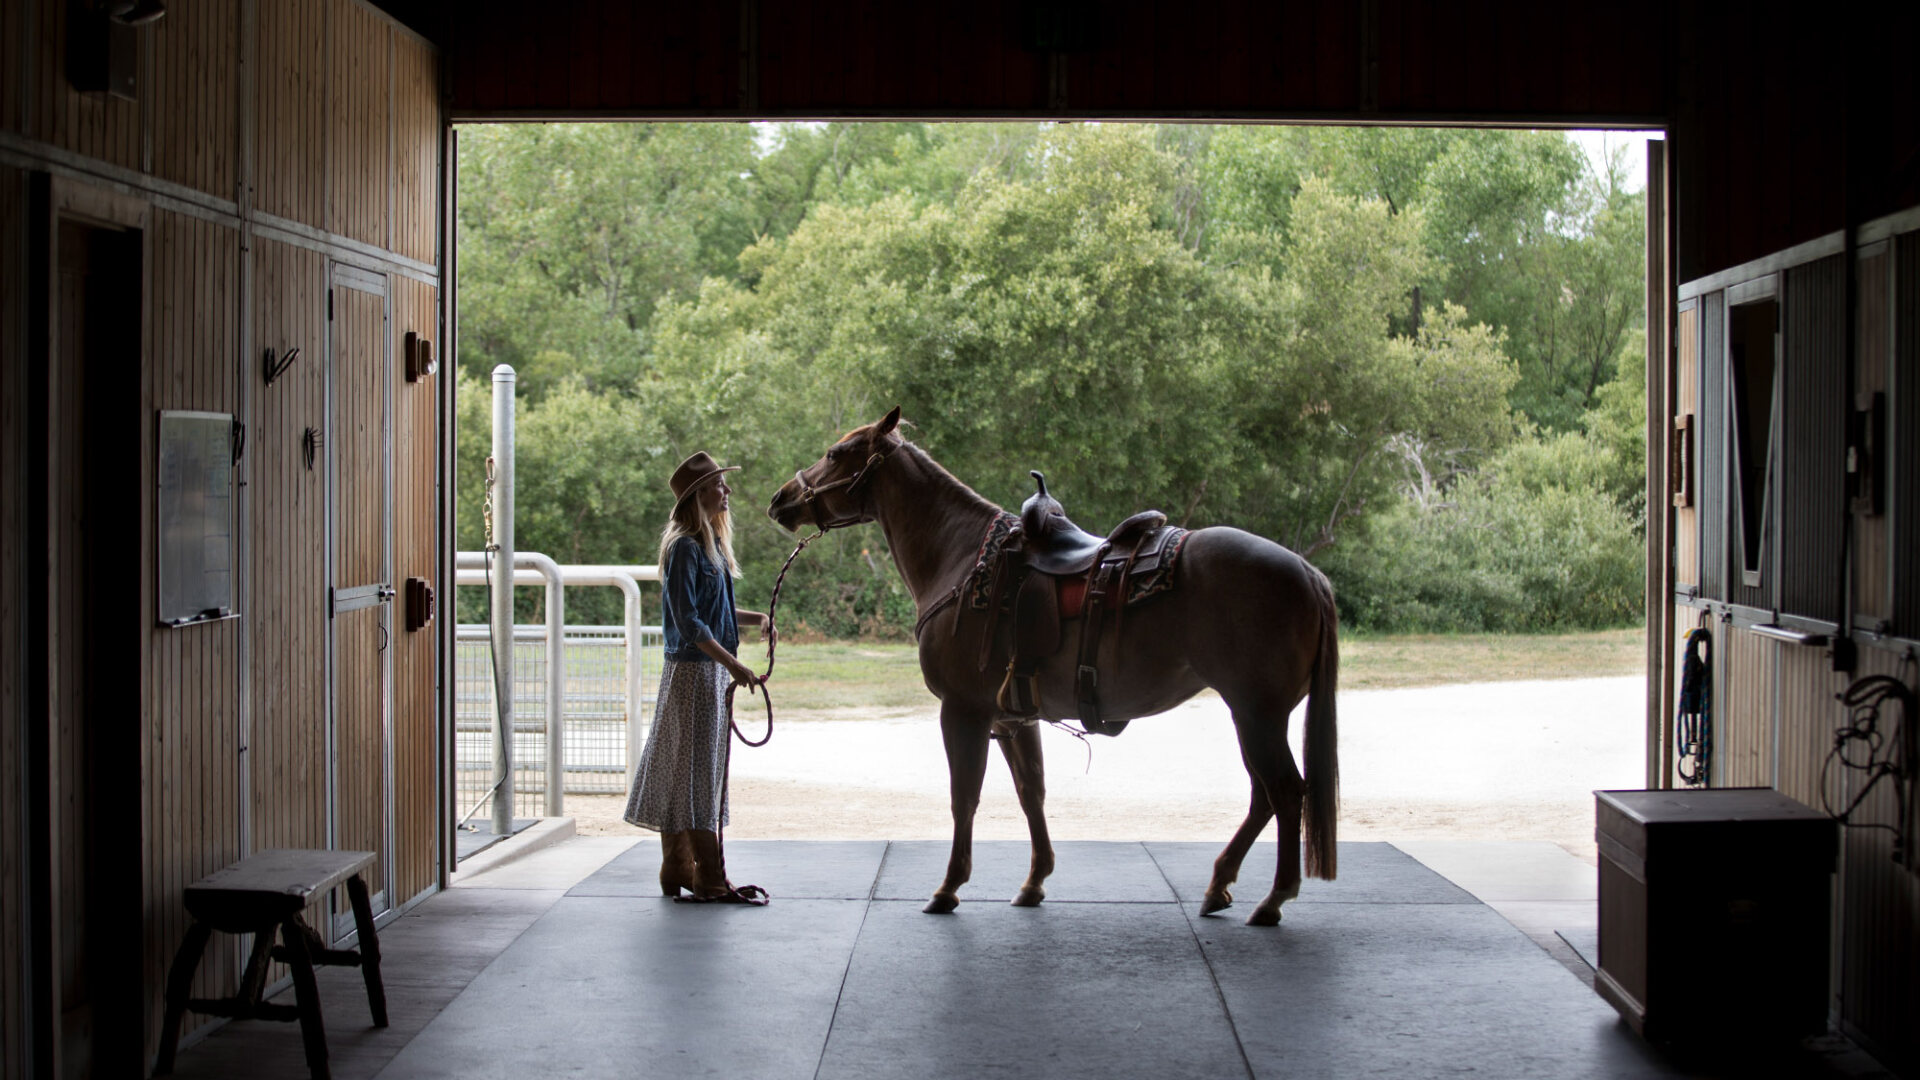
(681, 782)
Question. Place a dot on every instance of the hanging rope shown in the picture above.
(1693, 728)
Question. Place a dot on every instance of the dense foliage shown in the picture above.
(1410, 355)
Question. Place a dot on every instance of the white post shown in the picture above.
(556, 681)
(633, 680)
(502, 613)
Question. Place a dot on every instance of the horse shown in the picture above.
(1245, 616)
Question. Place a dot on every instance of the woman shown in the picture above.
(680, 787)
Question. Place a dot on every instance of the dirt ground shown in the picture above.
(1498, 761)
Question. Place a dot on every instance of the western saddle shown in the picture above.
(1051, 572)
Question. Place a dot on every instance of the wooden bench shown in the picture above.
(259, 895)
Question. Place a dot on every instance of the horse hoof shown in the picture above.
(1264, 917)
(1216, 902)
(1029, 898)
(941, 904)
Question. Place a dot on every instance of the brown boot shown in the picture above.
(677, 867)
(710, 864)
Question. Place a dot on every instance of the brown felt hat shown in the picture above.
(693, 473)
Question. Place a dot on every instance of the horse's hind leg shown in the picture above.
(965, 735)
(1226, 868)
(1263, 747)
(1020, 744)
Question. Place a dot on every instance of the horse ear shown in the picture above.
(887, 423)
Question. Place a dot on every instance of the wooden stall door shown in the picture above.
(360, 578)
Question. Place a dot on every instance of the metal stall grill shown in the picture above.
(594, 711)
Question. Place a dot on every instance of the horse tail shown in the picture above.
(1321, 813)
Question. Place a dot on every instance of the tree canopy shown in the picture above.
(1353, 341)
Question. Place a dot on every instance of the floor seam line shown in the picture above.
(846, 973)
(1212, 976)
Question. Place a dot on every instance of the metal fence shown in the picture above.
(594, 711)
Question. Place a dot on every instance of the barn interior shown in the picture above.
(225, 253)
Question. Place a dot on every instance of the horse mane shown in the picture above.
(926, 461)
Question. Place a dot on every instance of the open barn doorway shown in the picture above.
(1416, 355)
(94, 504)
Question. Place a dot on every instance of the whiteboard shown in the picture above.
(196, 517)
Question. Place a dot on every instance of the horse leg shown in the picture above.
(1263, 747)
(966, 738)
(1020, 745)
(1226, 868)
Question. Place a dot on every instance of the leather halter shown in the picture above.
(810, 494)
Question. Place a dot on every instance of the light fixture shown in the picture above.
(419, 356)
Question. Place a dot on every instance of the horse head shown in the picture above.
(831, 492)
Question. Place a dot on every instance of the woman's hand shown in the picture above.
(743, 676)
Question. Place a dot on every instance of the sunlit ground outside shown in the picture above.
(1470, 737)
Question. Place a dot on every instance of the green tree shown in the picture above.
(572, 234)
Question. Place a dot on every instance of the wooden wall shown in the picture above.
(1776, 700)
(1686, 394)
(1905, 405)
(13, 288)
(358, 165)
(271, 142)
(289, 114)
(190, 824)
(1743, 708)
(1873, 333)
(194, 137)
(414, 306)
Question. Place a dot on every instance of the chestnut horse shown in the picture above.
(1247, 617)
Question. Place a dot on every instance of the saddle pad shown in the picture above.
(1144, 583)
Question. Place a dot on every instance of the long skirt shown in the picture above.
(681, 782)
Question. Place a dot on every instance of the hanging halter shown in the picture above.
(1693, 731)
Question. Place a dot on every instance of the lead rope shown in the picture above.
(753, 894)
(773, 639)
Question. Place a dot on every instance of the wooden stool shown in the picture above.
(259, 895)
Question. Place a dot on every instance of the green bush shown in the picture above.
(1529, 544)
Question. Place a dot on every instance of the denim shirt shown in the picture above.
(697, 602)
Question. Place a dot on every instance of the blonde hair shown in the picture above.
(715, 534)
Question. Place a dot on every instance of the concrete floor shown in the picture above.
(1421, 960)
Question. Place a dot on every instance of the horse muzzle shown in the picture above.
(787, 508)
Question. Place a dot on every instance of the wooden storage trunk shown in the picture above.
(1714, 913)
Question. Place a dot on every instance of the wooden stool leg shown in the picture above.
(306, 993)
(179, 985)
(369, 949)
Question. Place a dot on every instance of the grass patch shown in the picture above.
(1393, 661)
(817, 678)
(843, 675)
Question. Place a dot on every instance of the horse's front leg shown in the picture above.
(1020, 744)
(965, 734)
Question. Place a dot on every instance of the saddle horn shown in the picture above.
(1038, 512)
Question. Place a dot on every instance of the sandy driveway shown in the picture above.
(1494, 761)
